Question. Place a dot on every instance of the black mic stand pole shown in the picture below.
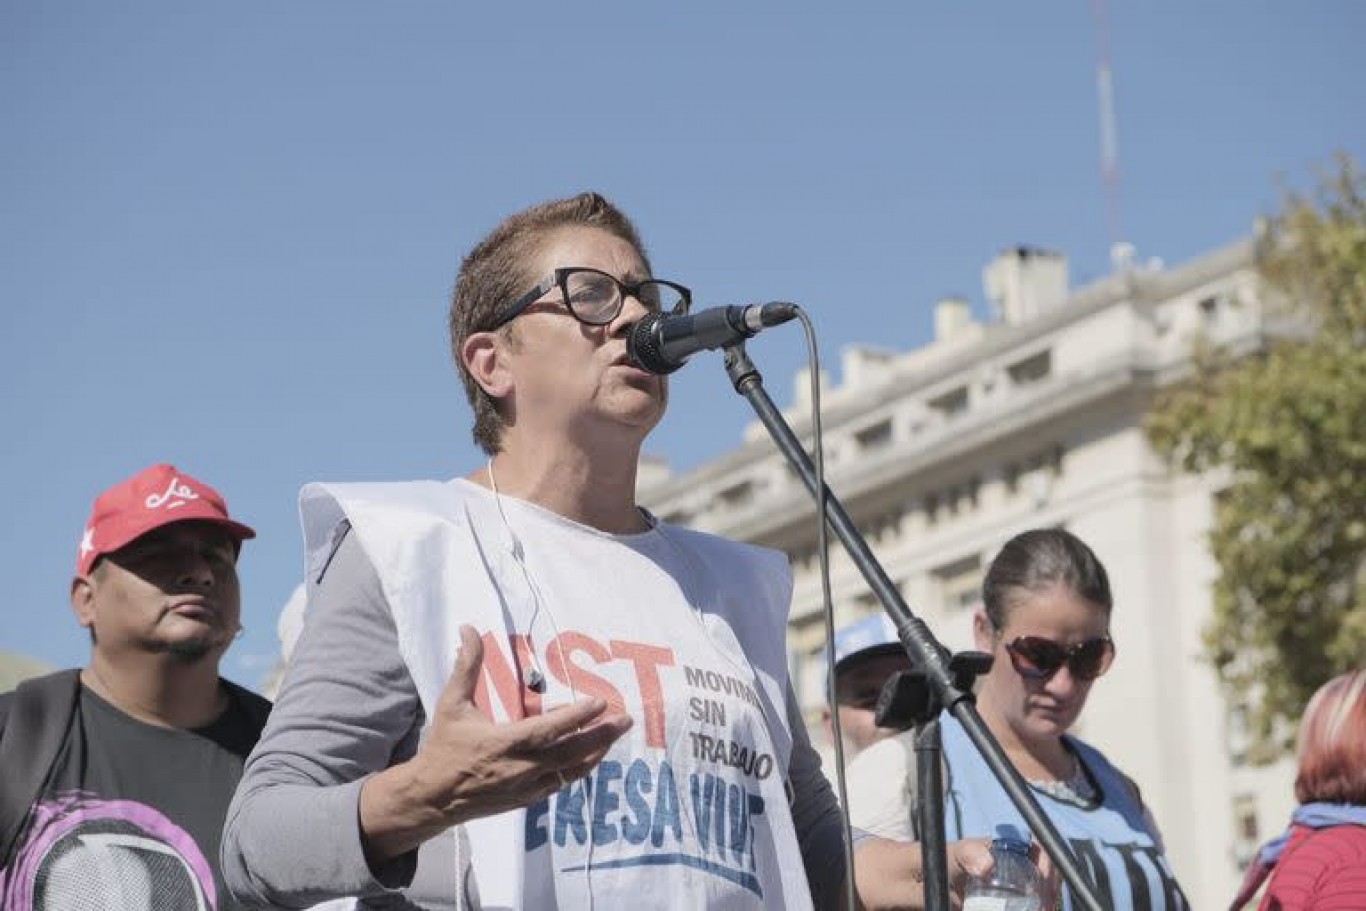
(942, 682)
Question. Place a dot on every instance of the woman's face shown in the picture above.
(1046, 707)
(570, 377)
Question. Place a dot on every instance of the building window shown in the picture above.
(803, 559)
(951, 403)
(1239, 733)
(1245, 829)
(883, 525)
(806, 666)
(1055, 460)
(959, 584)
(865, 604)
(875, 437)
(1032, 369)
(1038, 473)
(737, 494)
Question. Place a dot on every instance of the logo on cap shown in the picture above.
(176, 495)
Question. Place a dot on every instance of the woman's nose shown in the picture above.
(632, 312)
(1062, 682)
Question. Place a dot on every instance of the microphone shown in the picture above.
(663, 342)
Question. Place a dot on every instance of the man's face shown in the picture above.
(172, 591)
(856, 691)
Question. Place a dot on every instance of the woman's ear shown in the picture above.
(485, 357)
(983, 631)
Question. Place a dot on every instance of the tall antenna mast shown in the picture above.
(1109, 133)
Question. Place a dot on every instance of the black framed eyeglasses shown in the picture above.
(596, 298)
(1037, 658)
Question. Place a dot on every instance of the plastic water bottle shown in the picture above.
(1012, 885)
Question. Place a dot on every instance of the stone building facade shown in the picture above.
(1035, 418)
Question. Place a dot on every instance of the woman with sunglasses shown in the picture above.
(1046, 621)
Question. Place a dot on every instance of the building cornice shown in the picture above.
(909, 375)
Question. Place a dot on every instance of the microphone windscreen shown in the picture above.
(644, 345)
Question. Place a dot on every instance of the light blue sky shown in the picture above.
(227, 232)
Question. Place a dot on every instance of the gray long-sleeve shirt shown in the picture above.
(348, 708)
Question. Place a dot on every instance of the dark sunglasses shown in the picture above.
(1036, 658)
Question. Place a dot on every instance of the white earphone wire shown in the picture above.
(518, 554)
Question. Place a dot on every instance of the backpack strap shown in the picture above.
(39, 717)
(256, 706)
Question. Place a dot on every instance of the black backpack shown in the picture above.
(33, 723)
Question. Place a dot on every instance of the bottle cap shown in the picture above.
(1013, 845)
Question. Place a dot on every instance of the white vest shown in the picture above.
(683, 630)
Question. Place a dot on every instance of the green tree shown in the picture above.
(1287, 428)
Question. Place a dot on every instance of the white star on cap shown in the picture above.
(87, 541)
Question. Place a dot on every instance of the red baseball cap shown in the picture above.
(151, 498)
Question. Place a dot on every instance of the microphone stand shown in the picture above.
(939, 682)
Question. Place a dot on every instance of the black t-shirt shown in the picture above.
(132, 815)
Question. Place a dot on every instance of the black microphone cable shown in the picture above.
(813, 362)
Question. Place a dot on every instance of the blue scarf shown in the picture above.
(1309, 815)
(1313, 816)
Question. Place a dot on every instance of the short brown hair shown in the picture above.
(499, 268)
(1333, 743)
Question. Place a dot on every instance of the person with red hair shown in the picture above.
(1319, 863)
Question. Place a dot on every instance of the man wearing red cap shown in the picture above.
(117, 777)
